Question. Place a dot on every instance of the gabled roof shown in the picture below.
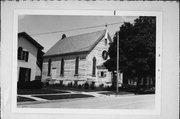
(82, 43)
(31, 40)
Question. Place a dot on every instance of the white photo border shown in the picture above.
(157, 109)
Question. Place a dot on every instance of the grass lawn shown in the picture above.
(23, 99)
(38, 91)
(56, 97)
(113, 93)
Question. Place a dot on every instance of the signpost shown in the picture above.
(117, 83)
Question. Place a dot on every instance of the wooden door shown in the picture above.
(24, 74)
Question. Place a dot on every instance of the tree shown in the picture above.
(137, 49)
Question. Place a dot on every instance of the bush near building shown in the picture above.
(86, 86)
(36, 84)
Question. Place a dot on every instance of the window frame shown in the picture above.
(23, 55)
(62, 67)
(49, 67)
(94, 67)
(76, 66)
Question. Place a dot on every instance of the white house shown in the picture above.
(78, 59)
(29, 58)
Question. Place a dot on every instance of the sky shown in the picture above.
(35, 24)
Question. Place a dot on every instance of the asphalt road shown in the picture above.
(104, 102)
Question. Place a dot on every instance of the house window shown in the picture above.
(20, 53)
(26, 56)
(62, 67)
(76, 66)
(23, 55)
(94, 67)
(102, 74)
(49, 67)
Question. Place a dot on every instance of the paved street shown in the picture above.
(101, 102)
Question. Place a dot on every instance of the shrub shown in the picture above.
(21, 85)
(92, 86)
(61, 84)
(55, 85)
(108, 88)
(75, 84)
(70, 84)
(79, 86)
(101, 86)
(86, 85)
(36, 84)
(47, 84)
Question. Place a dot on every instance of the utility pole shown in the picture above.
(117, 84)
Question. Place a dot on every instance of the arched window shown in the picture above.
(94, 67)
(49, 67)
(62, 67)
(76, 66)
(20, 50)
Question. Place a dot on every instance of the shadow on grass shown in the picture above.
(76, 88)
(114, 93)
(24, 99)
(56, 97)
(38, 91)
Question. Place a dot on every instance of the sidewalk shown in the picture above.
(40, 98)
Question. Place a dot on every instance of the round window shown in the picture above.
(104, 54)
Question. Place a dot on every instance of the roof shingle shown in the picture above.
(76, 44)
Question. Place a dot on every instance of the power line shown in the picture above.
(82, 28)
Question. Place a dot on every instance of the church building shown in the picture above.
(78, 59)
